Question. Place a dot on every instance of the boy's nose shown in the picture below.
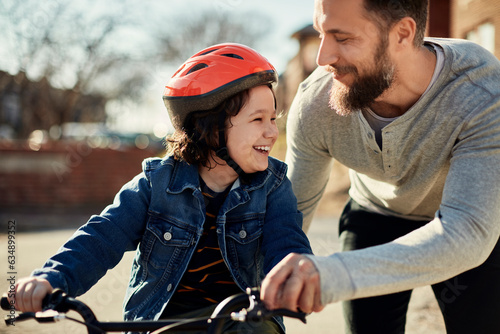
(271, 131)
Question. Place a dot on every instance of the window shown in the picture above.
(483, 35)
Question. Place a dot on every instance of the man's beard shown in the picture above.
(365, 89)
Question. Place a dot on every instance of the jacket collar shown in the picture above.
(185, 176)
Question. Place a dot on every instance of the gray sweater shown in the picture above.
(440, 162)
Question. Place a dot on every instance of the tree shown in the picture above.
(189, 34)
(66, 49)
(82, 52)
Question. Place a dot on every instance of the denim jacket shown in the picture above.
(160, 215)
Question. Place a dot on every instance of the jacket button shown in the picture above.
(169, 287)
(243, 234)
(167, 236)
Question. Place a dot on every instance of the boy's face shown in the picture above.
(253, 132)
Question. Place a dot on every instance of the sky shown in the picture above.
(277, 46)
(288, 16)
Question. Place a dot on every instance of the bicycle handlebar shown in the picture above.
(248, 306)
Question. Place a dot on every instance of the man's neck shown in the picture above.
(412, 78)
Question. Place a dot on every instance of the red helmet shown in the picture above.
(213, 75)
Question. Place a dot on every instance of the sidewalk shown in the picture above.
(105, 298)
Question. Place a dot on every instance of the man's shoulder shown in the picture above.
(314, 92)
(462, 52)
(472, 62)
(318, 78)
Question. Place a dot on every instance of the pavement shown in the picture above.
(105, 298)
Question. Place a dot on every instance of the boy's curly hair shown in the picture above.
(199, 137)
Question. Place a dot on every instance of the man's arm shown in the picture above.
(308, 158)
(462, 234)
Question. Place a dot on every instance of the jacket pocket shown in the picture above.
(166, 243)
(243, 237)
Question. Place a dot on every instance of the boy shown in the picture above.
(208, 220)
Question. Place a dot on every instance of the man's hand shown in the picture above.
(293, 284)
(30, 292)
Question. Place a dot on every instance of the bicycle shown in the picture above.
(243, 307)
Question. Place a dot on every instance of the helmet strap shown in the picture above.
(222, 152)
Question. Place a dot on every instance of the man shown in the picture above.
(418, 125)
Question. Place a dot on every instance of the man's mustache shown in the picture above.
(341, 70)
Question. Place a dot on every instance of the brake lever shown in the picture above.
(55, 301)
(257, 311)
(291, 314)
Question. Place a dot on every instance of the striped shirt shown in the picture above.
(207, 280)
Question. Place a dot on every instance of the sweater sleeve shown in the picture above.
(308, 159)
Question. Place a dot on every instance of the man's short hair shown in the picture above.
(386, 13)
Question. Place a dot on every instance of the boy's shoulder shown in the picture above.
(158, 166)
(277, 167)
(153, 163)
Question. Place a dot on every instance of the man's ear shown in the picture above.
(403, 32)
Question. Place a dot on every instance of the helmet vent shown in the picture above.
(232, 55)
(209, 51)
(197, 67)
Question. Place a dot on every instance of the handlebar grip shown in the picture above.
(5, 303)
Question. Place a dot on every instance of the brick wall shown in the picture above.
(64, 176)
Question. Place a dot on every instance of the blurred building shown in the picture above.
(56, 154)
(475, 20)
(299, 67)
(27, 105)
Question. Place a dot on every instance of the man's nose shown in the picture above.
(328, 52)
